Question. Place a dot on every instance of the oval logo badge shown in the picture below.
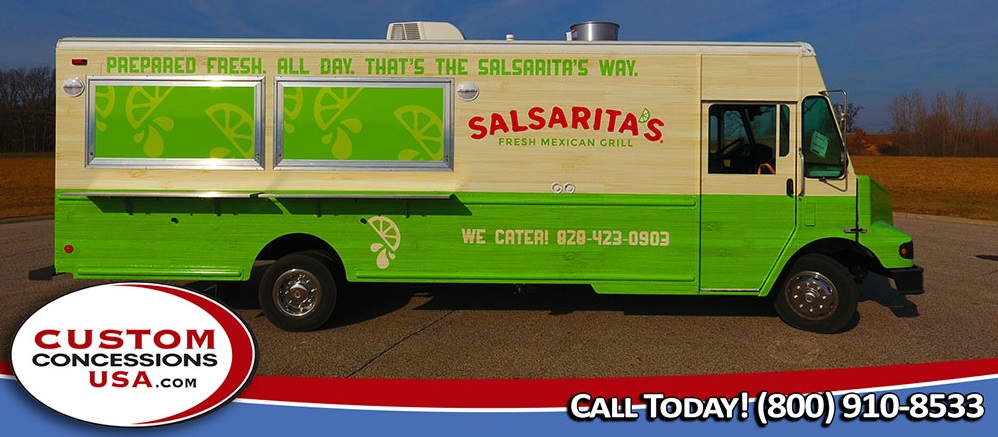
(134, 355)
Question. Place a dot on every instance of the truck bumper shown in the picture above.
(908, 280)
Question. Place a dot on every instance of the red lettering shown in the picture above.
(498, 124)
(535, 114)
(630, 124)
(613, 113)
(580, 117)
(111, 339)
(103, 380)
(88, 338)
(174, 336)
(40, 338)
(475, 124)
(205, 340)
(120, 379)
(558, 117)
(515, 120)
(142, 379)
(137, 335)
(654, 133)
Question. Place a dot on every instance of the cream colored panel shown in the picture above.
(662, 80)
(750, 77)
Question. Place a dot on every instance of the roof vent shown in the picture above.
(424, 30)
(594, 31)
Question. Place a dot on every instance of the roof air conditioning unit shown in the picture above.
(424, 30)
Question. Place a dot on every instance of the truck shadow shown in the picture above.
(362, 302)
(878, 289)
(566, 299)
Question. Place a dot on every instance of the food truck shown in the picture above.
(635, 167)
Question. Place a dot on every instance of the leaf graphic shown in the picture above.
(343, 146)
(220, 152)
(408, 155)
(353, 124)
(154, 144)
(164, 122)
(383, 259)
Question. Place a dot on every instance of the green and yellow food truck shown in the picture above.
(636, 167)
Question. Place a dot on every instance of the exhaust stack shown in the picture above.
(594, 31)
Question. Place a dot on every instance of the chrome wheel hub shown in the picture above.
(812, 295)
(297, 292)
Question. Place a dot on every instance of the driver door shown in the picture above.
(748, 192)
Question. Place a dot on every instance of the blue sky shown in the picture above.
(876, 50)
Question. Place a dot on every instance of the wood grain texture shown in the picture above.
(669, 80)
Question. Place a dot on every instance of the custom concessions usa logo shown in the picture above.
(134, 355)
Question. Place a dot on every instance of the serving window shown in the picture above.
(175, 122)
(364, 124)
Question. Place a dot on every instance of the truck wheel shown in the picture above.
(817, 294)
(298, 292)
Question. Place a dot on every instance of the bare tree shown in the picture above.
(27, 110)
(953, 126)
(848, 115)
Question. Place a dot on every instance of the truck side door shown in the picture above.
(747, 193)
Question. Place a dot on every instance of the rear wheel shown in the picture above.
(298, 291)
(817, 294)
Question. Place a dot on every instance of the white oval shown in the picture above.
(182, 355)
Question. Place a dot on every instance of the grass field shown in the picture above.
(958, 187)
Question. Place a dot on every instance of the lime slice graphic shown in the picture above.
(293, 102)
(237, 126)
(391, 237)
(142, 101)
(645, 116)
(425, 127)
(331, 102)
(103, 105)
(387, 230)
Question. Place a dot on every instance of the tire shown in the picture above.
(298, 292)
(817, 294)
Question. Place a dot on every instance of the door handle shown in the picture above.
(790, 187)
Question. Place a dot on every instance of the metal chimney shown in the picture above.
(595, 31)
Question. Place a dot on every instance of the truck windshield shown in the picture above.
(820, 140)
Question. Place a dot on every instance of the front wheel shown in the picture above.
(817, 294)
(298, 292)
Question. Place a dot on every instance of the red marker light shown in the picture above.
(79, 61)
(68, 248)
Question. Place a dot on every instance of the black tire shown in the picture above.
(817, 294)
(298, 292)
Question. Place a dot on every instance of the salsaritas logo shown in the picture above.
(575, 118)
(134, 355)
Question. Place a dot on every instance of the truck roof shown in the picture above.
(93, 43)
